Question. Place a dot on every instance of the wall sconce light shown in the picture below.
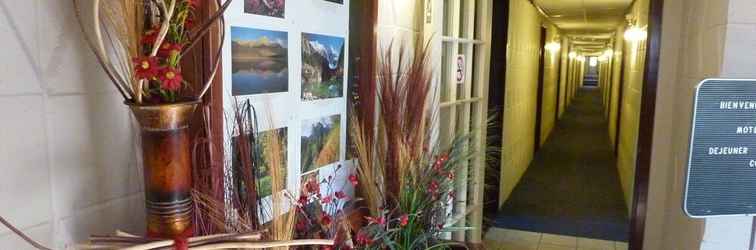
(581, 58)
(553, 46)
(572, 55)
(608, 53)
(634, 34)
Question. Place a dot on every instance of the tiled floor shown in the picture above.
(507, 239)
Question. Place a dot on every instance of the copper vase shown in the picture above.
(166, 153)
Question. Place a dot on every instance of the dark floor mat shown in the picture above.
(572, 186)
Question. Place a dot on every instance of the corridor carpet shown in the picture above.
(572, 186)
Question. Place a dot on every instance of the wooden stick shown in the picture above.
(22, 235)
(261, 245)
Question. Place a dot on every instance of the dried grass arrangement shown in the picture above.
(141, 45)
(405, 177)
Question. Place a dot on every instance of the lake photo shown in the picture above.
(322, 67)
(259, 61)
(321, 142)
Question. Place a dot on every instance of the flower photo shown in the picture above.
(271, 8)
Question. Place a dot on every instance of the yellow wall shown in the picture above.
(520, 97)
(617, 65)
(634, 62)
(550, 79)
(563, 75)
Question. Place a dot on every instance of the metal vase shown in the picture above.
(166, 153)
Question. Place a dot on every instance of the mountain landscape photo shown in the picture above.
(259, 61)
(321, 141)
(322, 66)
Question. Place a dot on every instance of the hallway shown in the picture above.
(572, 186)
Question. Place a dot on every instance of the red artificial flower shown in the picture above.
(433, 187)
(353, 180)
(170, 78)
(327, 200)
(363, 239)
(301, 226)
(168, 49)
(145, 67)
(302, 199)
(150, 36)
(325, 220)
(404, 220)
(340, 195)
(192, 3)
(380, 220)
(450, 175)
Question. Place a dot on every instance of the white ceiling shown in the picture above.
(585, 15)
(591, 22)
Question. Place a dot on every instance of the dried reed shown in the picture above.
(403, 120)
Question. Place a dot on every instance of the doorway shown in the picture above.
(582, 46)
(539, 91)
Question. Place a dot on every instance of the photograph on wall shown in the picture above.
(259, 61)
(336, 1)
(322, 67)
(265, 151)
(321, 142)
(271, 8)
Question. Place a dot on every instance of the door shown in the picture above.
(539, 95)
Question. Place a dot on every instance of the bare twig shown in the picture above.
(22, 235)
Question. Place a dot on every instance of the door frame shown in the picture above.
(646, 126)
(539, 93)
(496, 99)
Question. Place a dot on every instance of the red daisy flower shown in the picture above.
(150, 36)
(145, 67)
(170, 78)
(168, 49)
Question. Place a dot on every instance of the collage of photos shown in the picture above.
(261, 65)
